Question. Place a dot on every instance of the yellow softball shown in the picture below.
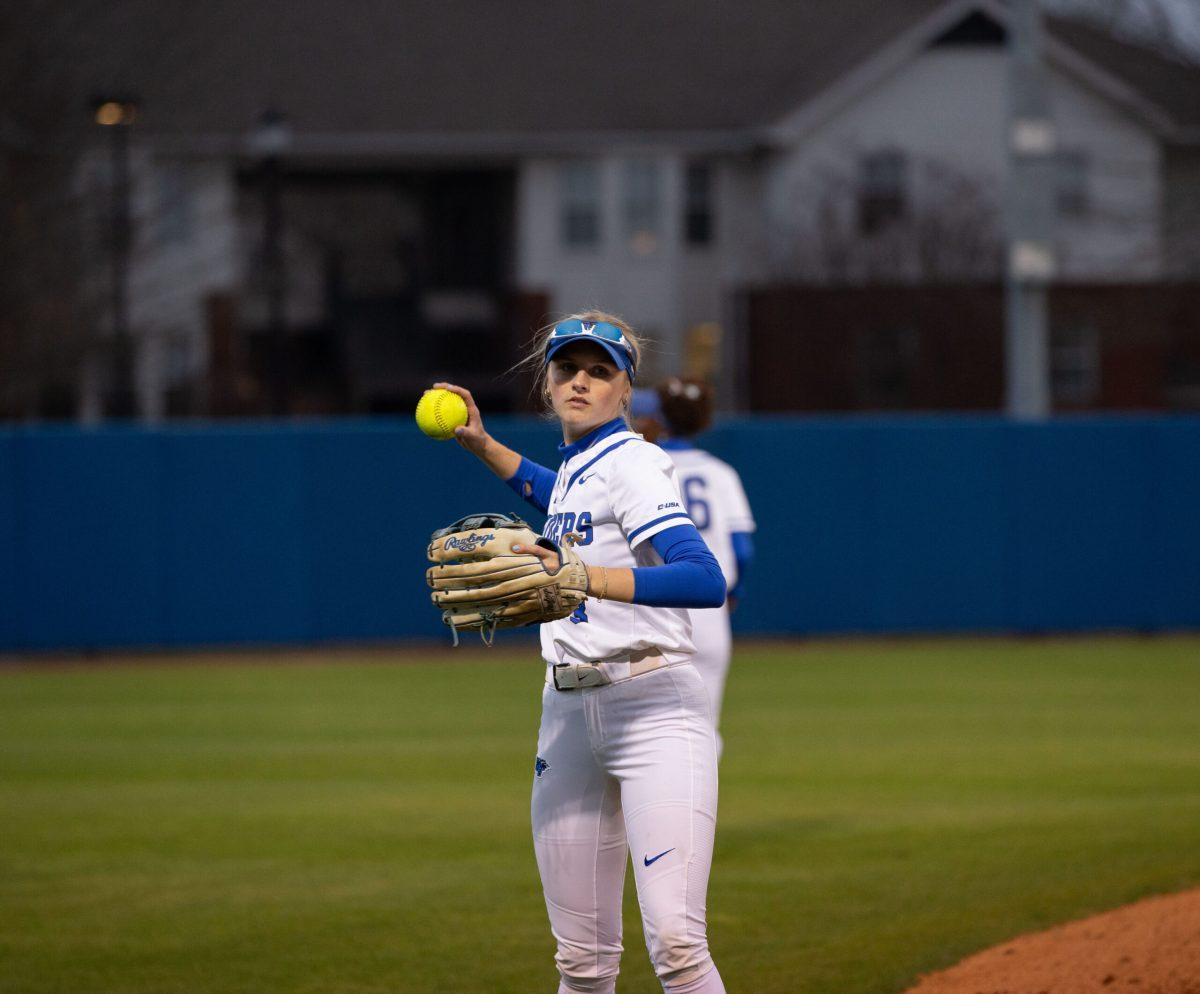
(439, 412)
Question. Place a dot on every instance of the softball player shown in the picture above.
(626, 754)
(716, 502)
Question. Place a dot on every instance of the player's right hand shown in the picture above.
(472, 435)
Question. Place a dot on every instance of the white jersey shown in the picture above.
(616, 495)
(715, 500)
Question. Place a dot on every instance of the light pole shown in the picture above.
(118, 115)
(271, 138)
(1029, 209)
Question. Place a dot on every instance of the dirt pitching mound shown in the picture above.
(1151, 947)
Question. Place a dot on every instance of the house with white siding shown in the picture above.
(450, 179)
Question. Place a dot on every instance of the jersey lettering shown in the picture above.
(716, 502)
(583, 525)
(565, 522)
(603, 508)
(695, 492)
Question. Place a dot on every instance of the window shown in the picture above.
(882, 178)
(697, 204)
(1075, 365)
(1071, 190)
(642, 205)
(174, 208)
(580, 204)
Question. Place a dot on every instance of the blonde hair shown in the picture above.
(535, 353)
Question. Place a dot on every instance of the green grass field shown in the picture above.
(361, 825)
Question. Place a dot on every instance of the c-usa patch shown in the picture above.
(540, 767)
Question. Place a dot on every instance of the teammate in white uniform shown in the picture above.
(716, 502)
(626, 755)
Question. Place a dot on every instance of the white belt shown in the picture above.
(577, 676)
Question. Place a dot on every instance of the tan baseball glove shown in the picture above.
(480, 584)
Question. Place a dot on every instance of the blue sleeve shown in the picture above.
(743, 552)
(533, 483)
(689, 576)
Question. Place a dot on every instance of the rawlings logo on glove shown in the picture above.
(468, 544)
(480, 584)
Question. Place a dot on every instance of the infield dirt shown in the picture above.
(1152, 947)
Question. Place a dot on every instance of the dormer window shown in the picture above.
(882, 189)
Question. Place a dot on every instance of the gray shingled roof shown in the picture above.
(458, 67)
(1170, 83)
(472, 65)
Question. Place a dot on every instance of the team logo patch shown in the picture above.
(470, 543)
(540, 767)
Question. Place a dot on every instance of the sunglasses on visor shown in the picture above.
(593, 329)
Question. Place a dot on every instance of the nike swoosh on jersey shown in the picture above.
(647, 860)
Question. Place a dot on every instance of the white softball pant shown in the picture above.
(629, 767)
(714, 643)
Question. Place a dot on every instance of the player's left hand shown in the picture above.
(551, 562)
(493, 571)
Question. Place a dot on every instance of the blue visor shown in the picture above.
(645, 404)
(608, 336)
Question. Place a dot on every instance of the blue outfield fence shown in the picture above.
(315, 532)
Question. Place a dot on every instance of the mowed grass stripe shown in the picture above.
(886, 808)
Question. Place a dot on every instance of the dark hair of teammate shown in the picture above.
(686, 404)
